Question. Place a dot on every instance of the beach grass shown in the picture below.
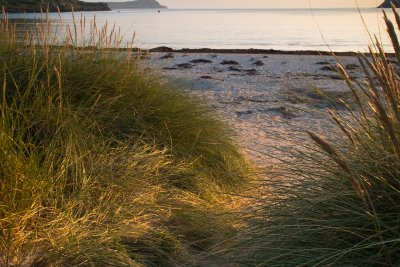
(338, 204)
(103, 162)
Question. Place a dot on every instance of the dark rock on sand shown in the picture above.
(184, 66)
(335, 77)
(329, 68)
(206, 77)
(315, 96)
(259, 63)
(201, 61)
(162, 49)
(246, 112)
(230, 62)
(352, 67)
(230, 102)
(168, 55)
(170, 68)
(232, 68)
(252, 72)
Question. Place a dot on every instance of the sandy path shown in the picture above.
(267, 99)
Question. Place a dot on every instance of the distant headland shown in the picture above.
(29, 6)
(388, 4)
(135, 4)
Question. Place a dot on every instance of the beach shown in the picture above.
(269, 98)
(215, 137)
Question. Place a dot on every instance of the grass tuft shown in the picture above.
(339, 203)
(102, 162)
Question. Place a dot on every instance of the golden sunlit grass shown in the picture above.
(339, 204)
(102, 162)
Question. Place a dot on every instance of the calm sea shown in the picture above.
(284, 29)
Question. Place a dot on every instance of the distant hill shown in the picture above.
(135, 4)
(387, 4)
(20, 6)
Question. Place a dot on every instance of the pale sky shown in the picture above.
(261, 3)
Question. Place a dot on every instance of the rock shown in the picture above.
(230, 62)
(252, 72)
(336, 77)
(279, 110)
(316, 96)
(162, 49)
(206, 77)
(184, 66)
(387, 4)
(352, 67)
(322, 63)
(232, 68)
(201, 61)
(258, 63)
(230, 102)
(168, 55)
(246, 112)
(329, 68)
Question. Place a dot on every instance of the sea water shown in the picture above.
(280, 29)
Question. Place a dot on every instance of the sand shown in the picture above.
(269, 100)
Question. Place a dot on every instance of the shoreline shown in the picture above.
(237, 51)
(165, 49)
(254, 51)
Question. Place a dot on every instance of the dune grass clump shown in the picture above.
(339, 203)
(102, 162)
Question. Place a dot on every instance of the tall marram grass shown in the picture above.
(339, 204)
(102, 162)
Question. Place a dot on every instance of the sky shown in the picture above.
(261, 3)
